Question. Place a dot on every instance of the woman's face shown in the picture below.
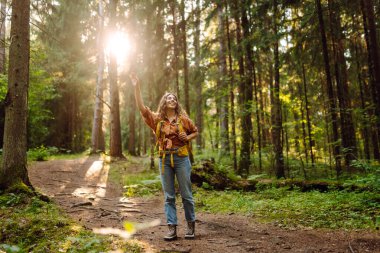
(171, 102)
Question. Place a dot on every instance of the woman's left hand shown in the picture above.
(134, 78)
(183, 137)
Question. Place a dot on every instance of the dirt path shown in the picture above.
(82, 188)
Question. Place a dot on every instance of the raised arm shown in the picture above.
(136, 83)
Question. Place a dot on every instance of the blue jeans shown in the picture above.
(182, 170)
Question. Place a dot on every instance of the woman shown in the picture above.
(174, 130)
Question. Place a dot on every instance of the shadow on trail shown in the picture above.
(83, 189)
(82, 186)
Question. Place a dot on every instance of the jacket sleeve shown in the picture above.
(150, 118)
(189, 126)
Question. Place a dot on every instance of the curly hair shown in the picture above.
(161, 110)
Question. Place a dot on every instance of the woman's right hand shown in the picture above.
(134, 78)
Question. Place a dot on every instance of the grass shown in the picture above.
(43, 153)
(31, 225)
(348, 210)
(288, 208)
(67, 156)
(134, 175)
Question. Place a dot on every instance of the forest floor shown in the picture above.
(82, 188)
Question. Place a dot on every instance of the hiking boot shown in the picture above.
(190, 234)
(172, 234)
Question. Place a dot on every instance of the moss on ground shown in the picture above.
(28, 224)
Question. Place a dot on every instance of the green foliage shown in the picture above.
(370, 178)
(67, 154)
(11, 248)
(41, 92)
(10, 200)
(3, 86)
(147, 185)
(31, 225)
(66, 37)
(143, 182)
(41, 153)
(292, 208)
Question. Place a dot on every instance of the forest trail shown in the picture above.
(81, 187)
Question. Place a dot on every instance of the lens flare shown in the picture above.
(119, 45)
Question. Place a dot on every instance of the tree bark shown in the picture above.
(330, 91)
(3, 15)
(173, 6)
(198, 77)
(245, 161)
(347, 125)
(304, 142)
(97, 140)
(221, 85)
(115, 131)
(374, 69)
(184, 54)
(263, 121)
(132, 125)
(365, 131)
(308, 121)
(276, 106)
(232, 96)
(14, 165)
(249, 74)
(2, 64)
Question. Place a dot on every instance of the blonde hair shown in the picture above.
(161, 110)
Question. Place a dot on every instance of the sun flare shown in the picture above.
(119, 45)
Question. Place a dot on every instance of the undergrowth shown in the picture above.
(28, 224)
(43, 153)
(134, 175)
(283, 205)
(293, 208)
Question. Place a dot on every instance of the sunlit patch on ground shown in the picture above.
(96, 182)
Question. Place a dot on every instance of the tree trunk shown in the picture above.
(249, 75)
(346, 121)
(308, 121)
(97, 140)
(263, 121)
(276, 106)
(303, 125)
(330, 91)
(232, 96)
(221, 85)
(259, 135)
(14, 166)
(198, 77)
(3, 15)
(173, 6)
(245, 161)
(361, 83)
(285, 138)
(115, 131)
(374, 69)
(184, 54)
(132, 125)
(2, 64)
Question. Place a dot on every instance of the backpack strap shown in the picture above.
(181, 129)
(160, 135)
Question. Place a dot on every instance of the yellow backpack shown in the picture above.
(160, 135)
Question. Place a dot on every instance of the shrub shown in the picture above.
(41, 153)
